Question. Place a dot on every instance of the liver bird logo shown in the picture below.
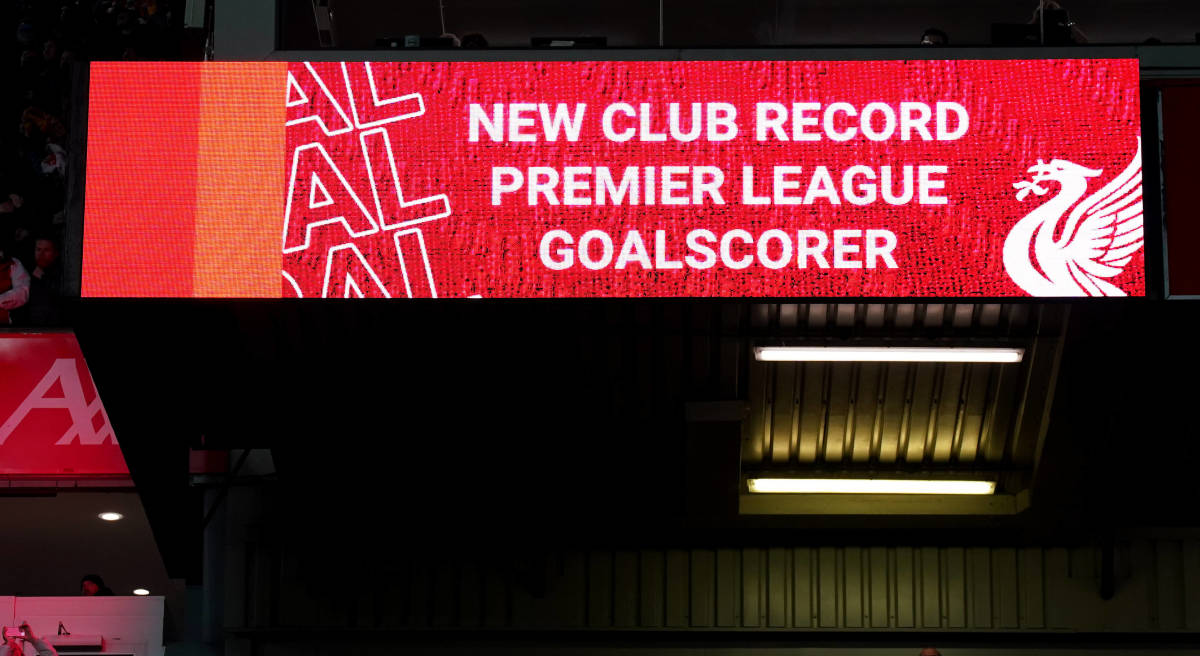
(1100, 235)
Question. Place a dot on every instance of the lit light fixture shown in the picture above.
(886, 354)
(141, 592)
(867, 486)
(111, 516)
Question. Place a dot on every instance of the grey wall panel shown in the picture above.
(930, 599)
(852, 586)
(979, 595)
(1191, 593)
(904, 576)
(445, 597)
(571, 599)
(625, 590)
(1005, 589)
(678, 589)
(954, 588)
(778, 588)
(752, 588)
(802, 588)
(600, 590)
(703, 588)
(496, 601)
(877, 588)
(1033, 591)
(827, 588)
(1067, 597)
(652, 585)
(729, 581)
(1168, 560)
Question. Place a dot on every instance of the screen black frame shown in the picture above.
(1156, 67)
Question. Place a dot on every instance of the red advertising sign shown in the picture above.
(51, 419)
(884, 179)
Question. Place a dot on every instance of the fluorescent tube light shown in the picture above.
(867, 486)
(886, 354)
(110, 516)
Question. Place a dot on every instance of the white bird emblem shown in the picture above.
(1101, 234)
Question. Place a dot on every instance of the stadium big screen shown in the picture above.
(884, 179)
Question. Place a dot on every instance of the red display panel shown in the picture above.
(52, 422)
(883, 179)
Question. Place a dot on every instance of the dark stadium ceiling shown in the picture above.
(557, 421)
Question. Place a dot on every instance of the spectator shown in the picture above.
(93, 586)
(934, 37)
(55, 161)
(44, 307)
(26, 34)
(474, 41)
(45, 259)
(18, 225)
(13, 213)
(1058, 28)
(14, 286)
(15, 646)
(40, 42)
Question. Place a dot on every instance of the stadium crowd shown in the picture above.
(42, 44)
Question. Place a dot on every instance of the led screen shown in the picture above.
(884, 179)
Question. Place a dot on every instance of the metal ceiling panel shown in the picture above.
(879, 413)
(836, 417)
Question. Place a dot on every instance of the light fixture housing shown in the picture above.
(868, 486)
(141, 592)
(888, 354)
(110, 516)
